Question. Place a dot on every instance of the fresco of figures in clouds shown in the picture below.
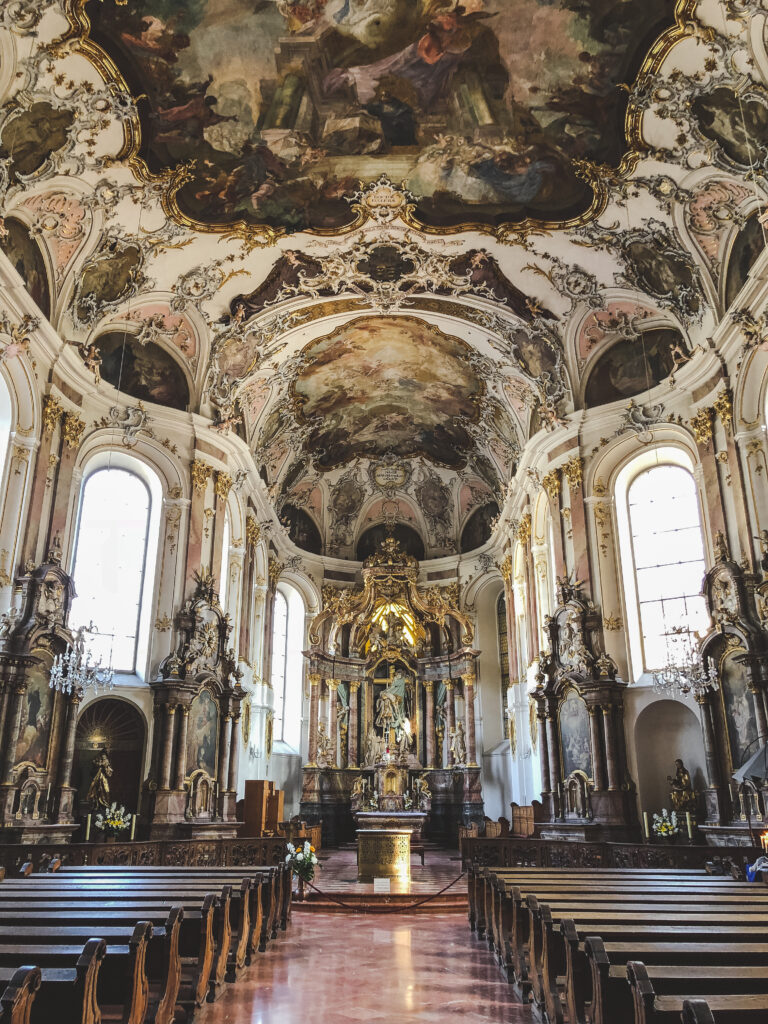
(281, 107)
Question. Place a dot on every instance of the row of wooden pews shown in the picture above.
(612, 946)
(132, 944)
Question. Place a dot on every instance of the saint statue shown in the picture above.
(389, 706)
(682, 793)
(98, 791)
(458, 744)
(326, 756)
(422, 793)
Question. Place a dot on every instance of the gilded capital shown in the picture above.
(573, 470)
(469, 678)
(507, 568)
(222, 485)
(724, 408)
(275, 569)
(201, 474)
(703, 425)
(52, 410)
(73, 430)
(315, 678)
(252, 532)
(523, 531)
(551, 483)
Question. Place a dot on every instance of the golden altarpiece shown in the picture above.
(192, 785)
(392, 678)
(37, 723)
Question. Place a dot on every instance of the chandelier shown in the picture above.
(73, 670)
(684, 672)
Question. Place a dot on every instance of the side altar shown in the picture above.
(392, 706)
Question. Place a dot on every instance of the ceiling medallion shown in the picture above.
(268, 119)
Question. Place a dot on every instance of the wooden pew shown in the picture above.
(266, 895)
(732, 994)
(611, 998)
(276, 903)
(66, 994)
(181, 966)
(18, 995)
(123, 989)
(725, 1010)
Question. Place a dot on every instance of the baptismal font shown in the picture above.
(394, 662)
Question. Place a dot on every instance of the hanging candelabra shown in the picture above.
(684, 672)
(73, 670)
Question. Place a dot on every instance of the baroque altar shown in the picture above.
(392, 704)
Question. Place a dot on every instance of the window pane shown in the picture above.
(669, 557)
(109, 564)
(279, 640)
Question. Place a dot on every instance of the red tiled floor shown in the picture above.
(345, 970)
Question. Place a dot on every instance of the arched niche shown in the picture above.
(632, 366)
(147, 372)
(115, 725)
(746, 248)
(302, 529)
(408, 539)
(664, 731)
(477, 529)
(25, 254)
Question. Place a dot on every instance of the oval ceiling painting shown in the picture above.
(280, 107)
(387, 385)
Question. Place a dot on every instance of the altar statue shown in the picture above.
(458, 744)
(326, 756)
(390, 712)
(422, 793)
(404, 739)
(682, 793)
(98, 791)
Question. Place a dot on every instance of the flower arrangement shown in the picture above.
(113, 820)
(302, 861)
(665, 825)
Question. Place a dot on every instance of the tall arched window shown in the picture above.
(660, 525)
(287, 664)
(114, 562)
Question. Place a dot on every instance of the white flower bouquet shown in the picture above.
(665, 825)
(302, 860)
(113, 820)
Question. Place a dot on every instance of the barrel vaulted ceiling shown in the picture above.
(387, 243)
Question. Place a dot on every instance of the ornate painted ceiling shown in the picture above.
(387, 243)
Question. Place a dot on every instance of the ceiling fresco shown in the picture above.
(388, 386)
(276, 109)
(382, 246)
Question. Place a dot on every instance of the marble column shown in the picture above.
(450, 719)
(598, 771)
(224, 744)
(68, 754)
(352, 735)
(167, 751)
(14, 721)
(469, 713)
(760, 719)
(429, 707)
(333, 685)
(708, 735)
(181, 749)
(553, 749)
(5, 697)
(234, 753)
(541, 729)
(611, 759)
(314, 717)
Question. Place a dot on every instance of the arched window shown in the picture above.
(114, 561)
(660, 530)
(287, 665)
(6, 412)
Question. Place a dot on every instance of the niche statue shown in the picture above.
(98, 791)
(681, 791)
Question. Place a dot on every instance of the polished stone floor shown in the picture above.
(349, 969)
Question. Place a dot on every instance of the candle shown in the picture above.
(133, 827)
(87, 828)
(646, 826)
(689, 824)
(48, 798)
